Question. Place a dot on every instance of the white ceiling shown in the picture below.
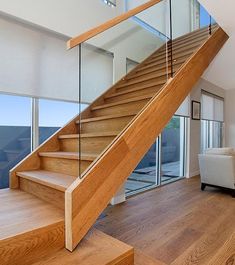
(221, 71)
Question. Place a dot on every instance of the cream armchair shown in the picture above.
(217, 168)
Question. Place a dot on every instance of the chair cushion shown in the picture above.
(220, 151)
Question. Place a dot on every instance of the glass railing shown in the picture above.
(105, 60)
(123, 57)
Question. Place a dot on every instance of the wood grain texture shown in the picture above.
(43, 192)
(91, 196)
(176, 224)
(96, 248)
(29, 228)
(109, 24)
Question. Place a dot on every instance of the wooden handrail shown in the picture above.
(109, 24)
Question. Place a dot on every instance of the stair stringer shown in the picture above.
(85, 199)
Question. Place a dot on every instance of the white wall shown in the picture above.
(68, 17)
(127, 40)
(230, 118)
(158, 16)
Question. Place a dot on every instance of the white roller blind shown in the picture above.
(36, 63)
(212, 107)
(184, 109)
(97, 72)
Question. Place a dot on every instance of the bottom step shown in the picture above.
(96, 248)
(29, 228)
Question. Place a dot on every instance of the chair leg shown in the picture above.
(203, 186)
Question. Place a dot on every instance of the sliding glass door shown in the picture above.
(145, 175)
(173, 150)
(165, 160)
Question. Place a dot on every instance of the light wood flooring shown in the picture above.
(177, 224)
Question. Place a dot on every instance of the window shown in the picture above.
(205, 18)
(165, 160)
(212, 123)
(55, 114)
(15, 133)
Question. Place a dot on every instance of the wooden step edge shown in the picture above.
(178, 51)
(127, 91)
(153, 70)
(186, 40)
(69, 155)
(121, 102)
(50, 179)
(155, 62)
(141, 86)
(127, 84)
(136, 80)
(89, 135)
(162, 65)
(107, 117)
(196, 32)
(97, 248)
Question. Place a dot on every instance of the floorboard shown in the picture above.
(177, 224)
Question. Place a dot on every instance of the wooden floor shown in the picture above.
(177, 224)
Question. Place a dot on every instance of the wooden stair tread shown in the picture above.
(142, 83)
(106, 117)
(54, 180)
(134, 99)
(96, 248)
(135, 81)
(21, 212)
(89, 135)
(69, 155)
(115, 94)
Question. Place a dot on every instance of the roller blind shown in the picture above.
(212, 107)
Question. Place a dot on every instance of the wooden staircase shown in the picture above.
(48, 207)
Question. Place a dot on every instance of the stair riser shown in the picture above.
(155, 69)
(116, 124)
(137, 83)
(179, 50)
(154, 65)
(156, 62)
(29, 247)
(64, 166)
(142, 92)
(194, 36)
(47, 194)
(178, 46)
(141, 77)
(161, 73)
(130, 107)
(88, 145)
